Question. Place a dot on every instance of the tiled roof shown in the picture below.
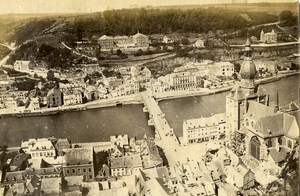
(133, 160)
(51, 185)
(257, 110)
(76, 156)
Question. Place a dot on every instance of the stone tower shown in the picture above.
(245, 90)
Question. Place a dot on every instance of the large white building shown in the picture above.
(39, 148)
(22, 65)
(270, 37)
(204, 129)
(185, 77)
(136, 41)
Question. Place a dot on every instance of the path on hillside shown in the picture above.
(77, 53)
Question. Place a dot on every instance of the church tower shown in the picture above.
(244, 91)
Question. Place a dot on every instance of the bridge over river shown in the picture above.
(157, 118)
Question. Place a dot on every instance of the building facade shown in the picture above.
(136, 41)
(204, 129)
(79, 162)
(54, 98)
(270, 37)
(39, 148)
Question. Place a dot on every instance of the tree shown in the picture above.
(119, 52)
(139, 53)
(50, 75)
(185, 41)
(285, 15)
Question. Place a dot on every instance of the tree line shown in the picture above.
(152, 21)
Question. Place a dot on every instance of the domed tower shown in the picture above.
(238, 99)
(248, 70)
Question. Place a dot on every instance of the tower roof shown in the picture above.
(248, 69)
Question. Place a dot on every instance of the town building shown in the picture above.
(270, 37)
(148, 182)
(140, 40)
(5, 81)
(240, 176)
(167, 40)
(125, 165)
(137, 41)
(119, 140)
(141, 75)
(62, 144)
(10, 104)
(39, 148)
(266, 66)
(23, 65)
(221, 69)
(199, 44)
(32, 104)
(204, 129)
(129, 87)
(106, 42)
(72, 97)
(54, 98)
(182, 81)
(159, 85)
(79, 162)
(91, 93)
(16, 95)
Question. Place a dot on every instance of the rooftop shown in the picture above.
(77, 156)
(133, 160)
(207, 121)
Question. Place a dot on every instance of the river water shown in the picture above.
(99, 124)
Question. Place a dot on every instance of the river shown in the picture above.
(99, 124)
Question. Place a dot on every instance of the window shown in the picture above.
(280, 140)
(84, 170)
(255, 147)
(91, 177)
(90, 169)
(270, 143)
(73, 171)
(289, 144)
(78, 170)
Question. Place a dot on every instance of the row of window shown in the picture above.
(79, 170)
(42, 154)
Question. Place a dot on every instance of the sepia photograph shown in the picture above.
(149, 98)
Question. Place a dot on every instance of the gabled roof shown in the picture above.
(103, 37)
(257, 110)
(139, 35)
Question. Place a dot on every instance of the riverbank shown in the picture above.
(115, 101)
(205, 91)
(134, 99)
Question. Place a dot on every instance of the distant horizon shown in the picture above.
(36, 7)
